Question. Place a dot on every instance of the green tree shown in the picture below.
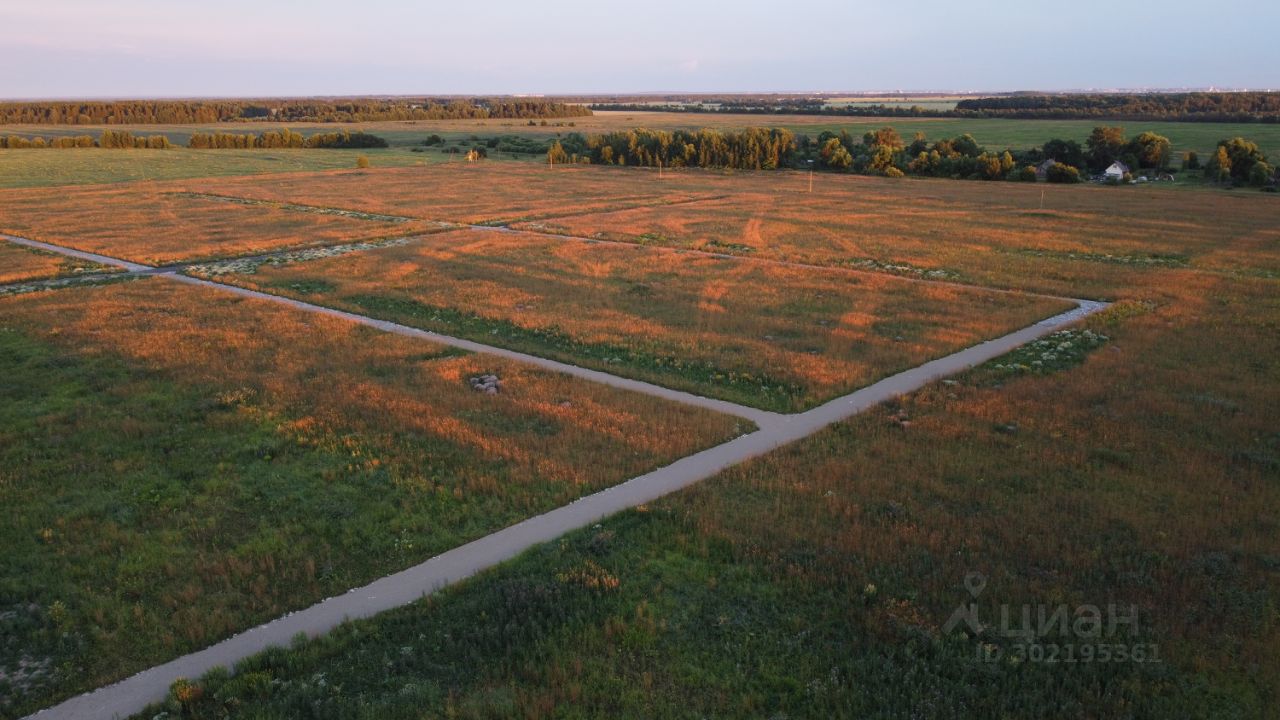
(1067, 152)
(989, 167)
(884, 137)
(882, 159)
(1105, 145)
(556, 154)
(834, 155)
(1261, 174)
(1243, 155)
(1218, 168)
(1151, 150)
(1060, 173)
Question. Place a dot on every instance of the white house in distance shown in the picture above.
(1117, 171)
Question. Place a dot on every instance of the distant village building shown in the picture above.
(1117, 171)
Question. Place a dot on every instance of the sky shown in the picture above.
(180, 48)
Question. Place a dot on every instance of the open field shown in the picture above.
(484, 193)
(20, 264)
(815, 582)
(1063, 240)
(177, 464)
(1078, 241)
(154, 224)
(781, 338)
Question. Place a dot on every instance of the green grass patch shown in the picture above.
(38, 168)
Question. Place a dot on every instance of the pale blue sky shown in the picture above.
(135, 48)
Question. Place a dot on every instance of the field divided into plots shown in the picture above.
(771, 336)
(181, 463)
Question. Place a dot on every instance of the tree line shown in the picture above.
(178, 112)
(1196, 106)
(885, 152)
(749, 149)
(113, 139)
(284, 139)
(1176, 107)
(123, 139)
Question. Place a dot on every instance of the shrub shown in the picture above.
(346, 140)
(1059, 173)
(1026, 174)
(1260, 174)
(362, 162)
(116, 139)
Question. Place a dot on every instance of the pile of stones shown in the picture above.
(487, 384)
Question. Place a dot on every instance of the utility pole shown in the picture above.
(810, 175)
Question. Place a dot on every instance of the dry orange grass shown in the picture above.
(21, 264)
(335, 377)
(147, 223)
(1147, 475)
(823, 331)
(991, 234)
(461, 192)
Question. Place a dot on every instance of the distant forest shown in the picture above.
(176, 112)
(1198, 107)
(1178, 107)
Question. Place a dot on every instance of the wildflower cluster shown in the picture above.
(1059, 351)
(56, 283)
(1153, 260)
(250, 265)
(901, 269)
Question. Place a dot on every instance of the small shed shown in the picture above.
(1116, 171)
(1042, 170)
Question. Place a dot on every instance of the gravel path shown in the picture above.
(133, 694)
(80, 254)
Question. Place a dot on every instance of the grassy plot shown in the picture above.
(817, 581)
(487, 192)
(178, 464)
(770, 336)
(41, 168)
(153, 223)
(19, 263)
(1078, 241)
